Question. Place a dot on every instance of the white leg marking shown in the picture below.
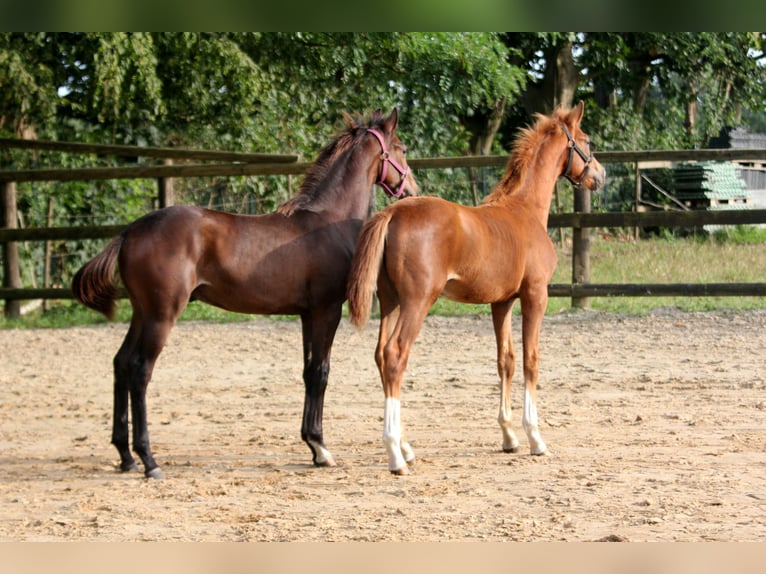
(407, 452)
(536, 443)
(510, 442)
(324, 458)
(392, 434)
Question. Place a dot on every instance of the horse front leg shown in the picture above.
(533, 310)
(319, 328)
(506, 362)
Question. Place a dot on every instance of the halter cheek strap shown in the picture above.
(587, 158)
(400, 189)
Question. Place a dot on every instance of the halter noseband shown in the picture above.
(400, 188)
(587, 158)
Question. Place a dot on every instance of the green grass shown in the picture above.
(735, 255)
(741, 235)
(708, 260)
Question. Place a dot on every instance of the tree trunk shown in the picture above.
(691, 119)
(483, 127)
(641, 90)
(558, 84)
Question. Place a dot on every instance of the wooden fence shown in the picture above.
(240, 164)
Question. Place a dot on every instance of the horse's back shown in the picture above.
(173, 215)
(421, 221)
(470, 254)
(192, 231)
(263, 264)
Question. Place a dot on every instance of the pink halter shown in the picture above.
(400, 188)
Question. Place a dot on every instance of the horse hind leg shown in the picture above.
(399, 328)
(120, 425)
(134, 365)
(153, 341)
(392, 409)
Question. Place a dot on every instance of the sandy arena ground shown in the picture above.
(657, 427)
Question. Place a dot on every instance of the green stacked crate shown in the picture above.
(710, 185)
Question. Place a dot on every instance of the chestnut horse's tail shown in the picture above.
(94, 284)
(365, 266)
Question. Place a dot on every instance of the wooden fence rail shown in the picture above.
(267, 164)
(556, 220)
(571, 220)
(145, 151)
(154, 171)
(288, 165)
(697, 218)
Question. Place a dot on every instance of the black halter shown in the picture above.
(587, 158)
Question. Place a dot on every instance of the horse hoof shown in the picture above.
(542, 453)
(320, 455)
(408, 453)
(327, 462)
(155, 473)
(404, 471)
(512, 449)
(132, 467)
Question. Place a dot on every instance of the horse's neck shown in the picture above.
(538, 182)
(349, 188)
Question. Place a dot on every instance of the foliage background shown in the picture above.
(284, 92)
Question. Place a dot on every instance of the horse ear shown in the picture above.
(348, 119)
(575, 116)
(392, 121)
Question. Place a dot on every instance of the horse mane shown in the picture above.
(524, 149)
(346, 139)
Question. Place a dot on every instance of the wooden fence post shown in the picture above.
(48, 252)
(11, 267)
(581, 247)
(637, 199)
(166, 191)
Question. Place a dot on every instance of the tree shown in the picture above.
(270, 92)
(285, 92)
(241, 88)
(27, 83)
(645, 89)
(681, 87)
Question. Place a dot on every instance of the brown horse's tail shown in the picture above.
(365, 266)
(93, 285)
